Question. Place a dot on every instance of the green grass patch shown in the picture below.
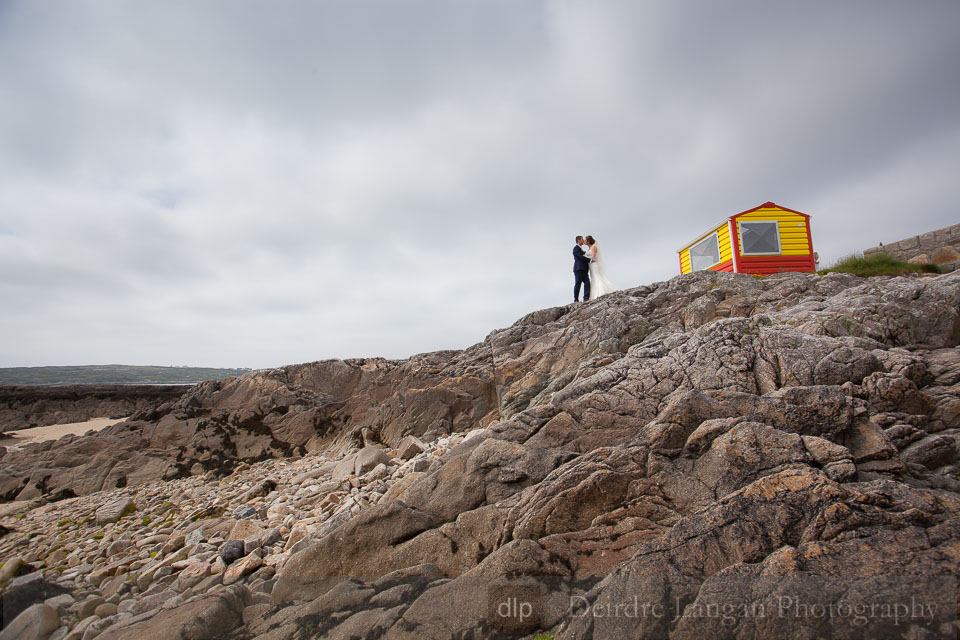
(98, 535)
(146, 520)
(63, 523)
(877, 264)
(543, 636)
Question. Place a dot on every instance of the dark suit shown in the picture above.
(581, 274)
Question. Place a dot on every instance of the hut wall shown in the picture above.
(795, 243)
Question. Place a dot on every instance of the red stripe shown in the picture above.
(723, 266)
(774, 260)
(776, 264)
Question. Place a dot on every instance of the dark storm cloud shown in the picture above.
(246, 183)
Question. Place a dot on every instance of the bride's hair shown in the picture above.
(591, 241)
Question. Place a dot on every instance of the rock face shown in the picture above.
(22, 407)
(614, 469)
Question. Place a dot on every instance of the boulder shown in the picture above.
(245, 512)
(244, 529)
(208, 616)
(231, 551)
(370, 544)
(944, 255)
(345, 468)
(368, 458)
(11, 568)
(34, 623)
(105, 610)
(409, 447)
(933, 451)
(487, 471)
(27, 590)
(89, 606)
(243, 567)
(114, 510)
(278, 511)
(193, 574)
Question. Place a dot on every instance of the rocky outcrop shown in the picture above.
(623, 468)
(23, 406)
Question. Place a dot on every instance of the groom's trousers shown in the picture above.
(581, 278)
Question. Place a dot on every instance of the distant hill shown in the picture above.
(114, 374)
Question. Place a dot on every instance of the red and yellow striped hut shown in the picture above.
(763, 240)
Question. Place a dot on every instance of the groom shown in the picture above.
(581, 272)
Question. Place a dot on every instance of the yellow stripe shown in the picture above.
(766, 213)
(723, 239)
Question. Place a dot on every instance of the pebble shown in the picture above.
(245, 512)
(232, 550)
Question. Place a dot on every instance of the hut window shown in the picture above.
(760, 238)
(705, 253)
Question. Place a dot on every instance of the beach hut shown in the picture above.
(763, 240)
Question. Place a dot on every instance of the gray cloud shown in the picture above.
(254, 184)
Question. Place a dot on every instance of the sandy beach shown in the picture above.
(54, 431)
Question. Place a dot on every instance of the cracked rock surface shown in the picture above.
(716, 438)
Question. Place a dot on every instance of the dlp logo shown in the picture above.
(515, 608)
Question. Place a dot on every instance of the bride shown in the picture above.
(599, 284)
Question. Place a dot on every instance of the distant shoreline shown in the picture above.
(114, 374)
(183, 383)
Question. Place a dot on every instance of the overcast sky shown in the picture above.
(248, 183)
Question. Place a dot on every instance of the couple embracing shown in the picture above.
(588, 271)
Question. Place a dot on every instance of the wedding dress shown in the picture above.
(599, 284)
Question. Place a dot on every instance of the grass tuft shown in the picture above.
(877, 264)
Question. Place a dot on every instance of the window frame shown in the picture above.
(743, 252)
(716, 239)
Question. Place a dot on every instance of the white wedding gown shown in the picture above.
(599, 284)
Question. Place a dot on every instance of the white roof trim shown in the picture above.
(713, 229)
